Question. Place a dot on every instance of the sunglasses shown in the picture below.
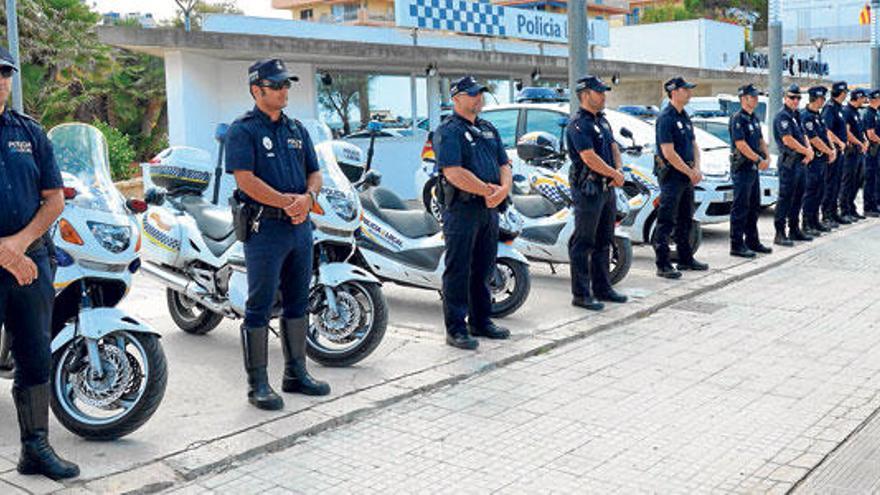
(6, 71)
(275, 85)
(793, 97)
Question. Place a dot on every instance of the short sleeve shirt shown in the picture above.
(854, 121)
(787, 123)
(279, 153)
(872, 120)
(675, 127)
(587, 131)
(475, 146)
(814, 126)
(27, 168)
(746, 127)
(832, 114)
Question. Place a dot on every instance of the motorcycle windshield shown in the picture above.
(81, 154)
(334, 177)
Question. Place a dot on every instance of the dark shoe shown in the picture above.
(612, 296)
(491, 331)
(807, 228)
(798, 235)
(37, 456)
(462, 341)
(830, 223)
(693, 265)
(669, 272)
(293, 344)
(255, 346)
(587, 303)
(821, 227)
(782, 240)
(858, 216)
(844, 220)
(760, 248)
(872, 214)
(742, 252)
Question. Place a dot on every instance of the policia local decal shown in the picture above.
(484, 18)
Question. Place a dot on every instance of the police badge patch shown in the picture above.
(267, 143)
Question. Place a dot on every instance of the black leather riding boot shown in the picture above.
(37, 456)
(296, 377)
(255, 346)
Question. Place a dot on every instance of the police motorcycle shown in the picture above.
(548, 218)
(405, 245)
(108, 372)
(191, 248)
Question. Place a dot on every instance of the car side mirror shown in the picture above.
(154, 196)
(220, 131)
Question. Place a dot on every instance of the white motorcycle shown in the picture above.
(108, 369)
(191, 249)
(548, 219)
(405, 245)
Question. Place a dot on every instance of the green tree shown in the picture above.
(196, 10)
(342, 96)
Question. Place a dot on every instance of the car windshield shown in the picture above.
(81, 155)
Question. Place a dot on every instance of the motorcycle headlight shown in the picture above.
(341, 204)
(770, 172)
(114, 238)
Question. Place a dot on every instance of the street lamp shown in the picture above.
(819, 43)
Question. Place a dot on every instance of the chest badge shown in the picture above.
(598, 129)
(295, 143)
(680, 125)
(267, 143)
(21, 147)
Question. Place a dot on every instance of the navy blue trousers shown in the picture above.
(589, 248)
(746, 208)
(470, 231)
(814, 189)
(675, 213)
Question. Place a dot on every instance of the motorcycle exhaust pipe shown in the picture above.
(186, 287)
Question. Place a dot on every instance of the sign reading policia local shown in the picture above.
(484, 18)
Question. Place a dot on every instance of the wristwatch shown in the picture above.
(314, 196)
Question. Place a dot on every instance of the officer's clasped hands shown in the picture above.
(13, 259)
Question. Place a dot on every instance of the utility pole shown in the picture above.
(12, 34)
(578, 47)
(875, 44)
(774, 42)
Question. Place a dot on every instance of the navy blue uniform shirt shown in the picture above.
(854, 121)
(27, 167)
(787, 123)
(814, 126)
(587, 131)
(746, 127)
(675, 127)
(832, 114)
(280, 153)
(477, 147)
(872, 120)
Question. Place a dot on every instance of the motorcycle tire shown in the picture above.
(368, 343)
(696, 239)
(621, 258)
(522, 284)
(156, 380)
(186, 319)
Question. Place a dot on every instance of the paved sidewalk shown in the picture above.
(744, 389)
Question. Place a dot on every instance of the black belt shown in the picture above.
(271, 213)
(35, 246)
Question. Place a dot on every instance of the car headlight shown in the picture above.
(114, 238)
(341, 204)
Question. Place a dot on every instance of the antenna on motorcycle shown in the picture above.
(562, 122)
(373, 127)
(220, 135)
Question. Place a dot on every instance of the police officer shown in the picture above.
(826, 153)
(857, 148)
(795, 153)
(872, 161)
(832, 115)
(595, 162)
(477, 177)
(748, 155)
(277, 173)
(677, 164)
(31, 200)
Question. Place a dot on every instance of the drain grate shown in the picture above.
(701, 307)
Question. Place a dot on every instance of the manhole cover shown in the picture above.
(701, 307)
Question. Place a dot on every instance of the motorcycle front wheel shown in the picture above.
(621, 258)
(510, 286)
(353, 330)
(120, 401)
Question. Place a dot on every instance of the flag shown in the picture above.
(865, 15)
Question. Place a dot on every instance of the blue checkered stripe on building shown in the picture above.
(459, 15)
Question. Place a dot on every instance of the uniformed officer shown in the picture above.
(748, 155)
(872, 161)
(594, 172)
(826, 153)
(678, 170)
(832, 115)
(31, 200)
(477, 177)
(795, 153)
(277, 171)
(857, 148)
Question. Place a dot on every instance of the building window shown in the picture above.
(306, 15)
(345, 12)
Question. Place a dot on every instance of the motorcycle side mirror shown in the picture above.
(220, 131)
(626, 133)
(372, 178)
(136, 205)
(154, 196)
(562, 122)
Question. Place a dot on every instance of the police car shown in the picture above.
(713, 196)
(718, 127)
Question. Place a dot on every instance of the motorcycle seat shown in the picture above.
(533, 205)
(412, 223)
(214, 222)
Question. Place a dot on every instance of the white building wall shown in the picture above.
(699, 43)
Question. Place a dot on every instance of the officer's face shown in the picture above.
(875, 102)
(682, 95)
(595, 100)
(749, 102)
(792, 101)
(272, 99)
(470, 104)
(5, 84)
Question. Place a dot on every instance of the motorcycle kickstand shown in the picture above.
(552, 268)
